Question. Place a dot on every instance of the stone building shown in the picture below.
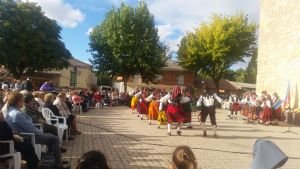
(279, 46)
(85, 78)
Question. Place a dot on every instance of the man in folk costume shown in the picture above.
(234, 106)
(174, 112)
(207, 102)
(163, 102)
(276, 107)
(186, 108)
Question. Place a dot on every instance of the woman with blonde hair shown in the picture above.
(184, 158)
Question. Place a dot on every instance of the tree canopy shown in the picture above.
(217, 45)
(29, 41)
(251, 70)
(126, 43)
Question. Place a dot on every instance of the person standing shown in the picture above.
(174, 111)
(207, 102)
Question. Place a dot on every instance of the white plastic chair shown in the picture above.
(15, 162)
(51, 119)
(37, 147)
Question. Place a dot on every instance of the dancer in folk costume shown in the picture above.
(234, 106)
(207, 102)
(245, 106)
(186, 108)
(134, 101)
(252, 108)
(163, 102)
(174, 112)
(267, 108)
(142, 105)
(153, 110)
(276, 108)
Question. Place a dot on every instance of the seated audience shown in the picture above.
(48, 87)
(21, 122)
(36, 116)
(184, 158)
(77, 100)
(60, 103)
(26, 149)
(39, 97)
(92, 160)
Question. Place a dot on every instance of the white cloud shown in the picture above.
(89, 31)
(182, 16)
(64, 13)
(165, 31)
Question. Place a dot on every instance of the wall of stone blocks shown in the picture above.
(279, 46)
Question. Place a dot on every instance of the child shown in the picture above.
(184, 158)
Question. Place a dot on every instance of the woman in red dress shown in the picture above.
(174, 111)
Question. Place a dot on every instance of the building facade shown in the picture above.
(171, 75)
(279, 46)
(82, 73)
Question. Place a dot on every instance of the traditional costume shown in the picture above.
(134, 101)
(142, 108)
(234, 106)
(276, 108)
(162, 117)
(153, 110)
(267, 110)
(187, 110)
(174, 111)
(207, 103)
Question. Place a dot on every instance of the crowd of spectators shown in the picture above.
(21, 110)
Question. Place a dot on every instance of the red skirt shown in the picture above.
(235, 107)
(278, 114)
(142, 109)
(174, 114)
(267, 114)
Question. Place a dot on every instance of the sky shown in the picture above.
(173, 18)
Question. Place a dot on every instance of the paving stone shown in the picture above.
(129, 142)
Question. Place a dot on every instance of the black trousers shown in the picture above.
(211, 111)
(28, 154)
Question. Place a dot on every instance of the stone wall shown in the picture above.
(279, 46)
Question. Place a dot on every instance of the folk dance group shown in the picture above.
(266, 109)
(175, 107)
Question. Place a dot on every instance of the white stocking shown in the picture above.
(169, 128)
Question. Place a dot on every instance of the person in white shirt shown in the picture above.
(207, 103)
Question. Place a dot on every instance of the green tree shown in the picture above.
(126, 43)
(240, 75)
(104, 80)
(230, 75)
(214, 47)
(29, 41)
(251, 70)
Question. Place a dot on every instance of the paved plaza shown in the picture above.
(129, 142)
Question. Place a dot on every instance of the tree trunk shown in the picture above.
(125, 84)
(216, 81)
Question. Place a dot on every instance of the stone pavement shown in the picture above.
(129, 142)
